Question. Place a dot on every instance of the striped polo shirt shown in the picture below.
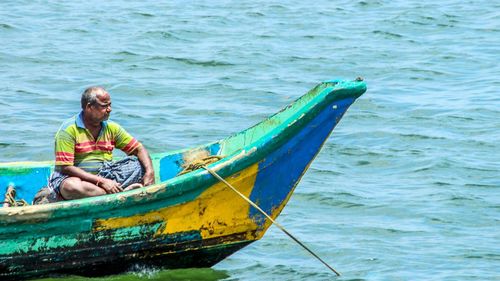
(75, 145)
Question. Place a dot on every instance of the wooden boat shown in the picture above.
(188, 220)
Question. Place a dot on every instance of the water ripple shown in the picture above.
(211, 63)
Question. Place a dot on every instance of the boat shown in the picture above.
(186, 219)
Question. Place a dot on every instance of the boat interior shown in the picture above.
(28, 177)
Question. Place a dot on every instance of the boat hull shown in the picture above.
(185, 221)
(100, 260)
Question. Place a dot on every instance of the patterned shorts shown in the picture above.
(125, 171)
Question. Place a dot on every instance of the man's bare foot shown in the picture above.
(133, 186)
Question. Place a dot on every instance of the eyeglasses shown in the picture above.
(101, 105)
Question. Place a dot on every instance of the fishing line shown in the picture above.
(213, 173)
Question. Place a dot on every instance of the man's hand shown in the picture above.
(110, 186)
(149, 178)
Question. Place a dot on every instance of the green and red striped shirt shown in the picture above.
(75, 145)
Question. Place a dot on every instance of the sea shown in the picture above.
(406, 188)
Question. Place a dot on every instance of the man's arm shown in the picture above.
(131, 146)
(143, 156)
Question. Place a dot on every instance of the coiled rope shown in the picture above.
(10, 198)
(199, 163)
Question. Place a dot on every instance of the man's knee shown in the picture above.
(75, 188)
(70, 186)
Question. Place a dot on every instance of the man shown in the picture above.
(84, 150)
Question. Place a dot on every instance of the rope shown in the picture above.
(10, 198)
(213, 173)
(199, 163)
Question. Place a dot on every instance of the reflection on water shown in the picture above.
(152, 274)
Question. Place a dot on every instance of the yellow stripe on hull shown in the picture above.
(216, 212)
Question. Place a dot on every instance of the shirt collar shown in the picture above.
(79, 120)
(80, 124)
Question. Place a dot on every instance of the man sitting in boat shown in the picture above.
(84, 151)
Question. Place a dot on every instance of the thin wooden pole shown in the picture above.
(213, 173)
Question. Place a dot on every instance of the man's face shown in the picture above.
(101, 109)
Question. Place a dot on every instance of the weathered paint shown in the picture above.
(218, 211)
(187, 220)
(290, 161)
(25, 178)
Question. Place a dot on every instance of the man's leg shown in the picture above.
(126, 171)
(75, 188)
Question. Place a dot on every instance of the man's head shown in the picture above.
(96, 104)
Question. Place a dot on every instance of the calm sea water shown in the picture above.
(407, 187)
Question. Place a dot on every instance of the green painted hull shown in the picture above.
(183, 221)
